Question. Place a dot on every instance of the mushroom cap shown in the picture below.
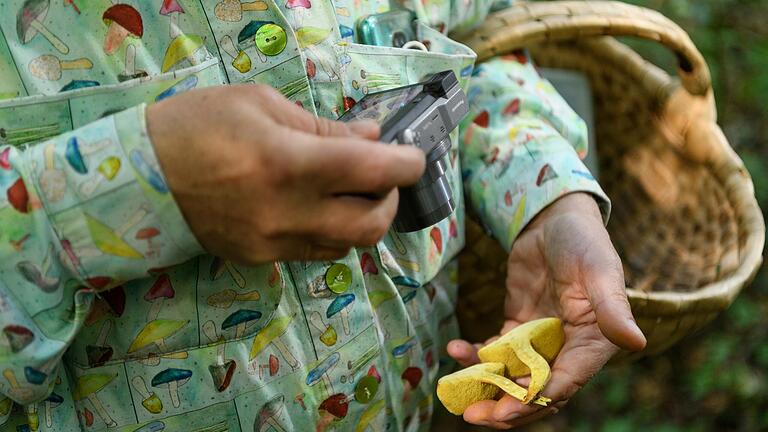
(170, 6)
(109, 167)
(155, 331)
(410, 295)
(367, 264)
(180, 48)
(108, 241)
(400, 350)
(155, 426)
(114, 297)
(309, 36)
(412, 375)
(89, 384)
(147, 171)
(338, 304)
(34, 376)
(222, 374)
(377, 297)
(74, 156)
(276, 327)
(337, 405)
(171, 375)
(162, 288)
(54, 399)
(78, 84)
(30, 11)
(293, 4)
(186, 84)
(315, 374)
(18, 337)
(272, 408)
(250, 29)
(274, 364)
(5, 158)
(125, 16)
(240, 317)
(346, 31)
(147, 233)
(437, 238)
(18, 196)
(406, 281)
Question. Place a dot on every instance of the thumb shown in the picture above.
(604, 283)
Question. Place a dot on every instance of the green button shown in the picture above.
(366, 389)
(338, 278)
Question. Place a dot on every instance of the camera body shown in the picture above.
(421, 115)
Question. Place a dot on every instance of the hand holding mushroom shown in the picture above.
(562, 265)
(240, 142)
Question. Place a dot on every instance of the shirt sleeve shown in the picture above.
(522, 147)
(80, 213)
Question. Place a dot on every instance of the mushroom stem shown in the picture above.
(116, 34)
(154, 310)
(228, 46)
(130, 223)
(99, 408)
(286, 353)
(55, 41)
(81, 63)
(105, 328)
(141, 387)
(412, 265)
(399, 245)
(130, 60)
(173, 29)
(173, 391)
(345, 320)
(48, 414)
(235, 274)
(32, 417)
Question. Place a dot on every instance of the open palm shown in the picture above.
(562, 265)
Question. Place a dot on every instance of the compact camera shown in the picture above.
(421, 115)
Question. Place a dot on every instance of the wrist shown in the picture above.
(581, 204)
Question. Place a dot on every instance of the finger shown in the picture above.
(298, 118)
(604, 283)
(353, 166)
(538, 415)
(314, 252)
(463, 352)
(355, 221)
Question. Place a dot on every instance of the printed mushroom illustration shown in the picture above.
(79, 84)
(232, 10)
(147, 234)
(39, 275)
(76, 151)
(172, 379)
(33, 418)
(328, 334)
(160, 290)
(240, 60)
(148, 171)
(336, 406)
(309, 38)
(29, 23)
(299, 8)
(339, 306)
(52, 401)
(412, 306)
(402, 349)
(269, 415)
(23, 135)
(223, 370)
(272, 366)
(109, 241)
(182, 48)
(411, 377)
(354, 366)
(155, 426)
(5, 161)
(86, 388)
(369, 415)
(368, 265)
(269, 38)
(16, 391)
(271, 335)
(379, 296)
(129, 69)
(6, 404)
(107, 170)
(218, 265)
(49, 67)
(320, 372)
(18, 196)
(156, 332)
(53, 182)
(226, 298)
(172, 9)
(18, 337)
(34, 376)
(122, 21)
(100, 353)
(149, 401)
(241, 320)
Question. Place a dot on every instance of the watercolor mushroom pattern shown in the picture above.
(91, 233)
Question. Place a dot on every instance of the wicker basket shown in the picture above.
(685, 220)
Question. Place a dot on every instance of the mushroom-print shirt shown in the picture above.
(112, 317)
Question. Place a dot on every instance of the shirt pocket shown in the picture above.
(369, 69)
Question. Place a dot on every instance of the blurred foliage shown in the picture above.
(717, 379)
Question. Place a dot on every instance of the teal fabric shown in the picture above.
(112, 315)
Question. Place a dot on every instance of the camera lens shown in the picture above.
(398, 39)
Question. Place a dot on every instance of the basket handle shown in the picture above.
(526, 24)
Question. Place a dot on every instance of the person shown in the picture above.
(183, 255)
